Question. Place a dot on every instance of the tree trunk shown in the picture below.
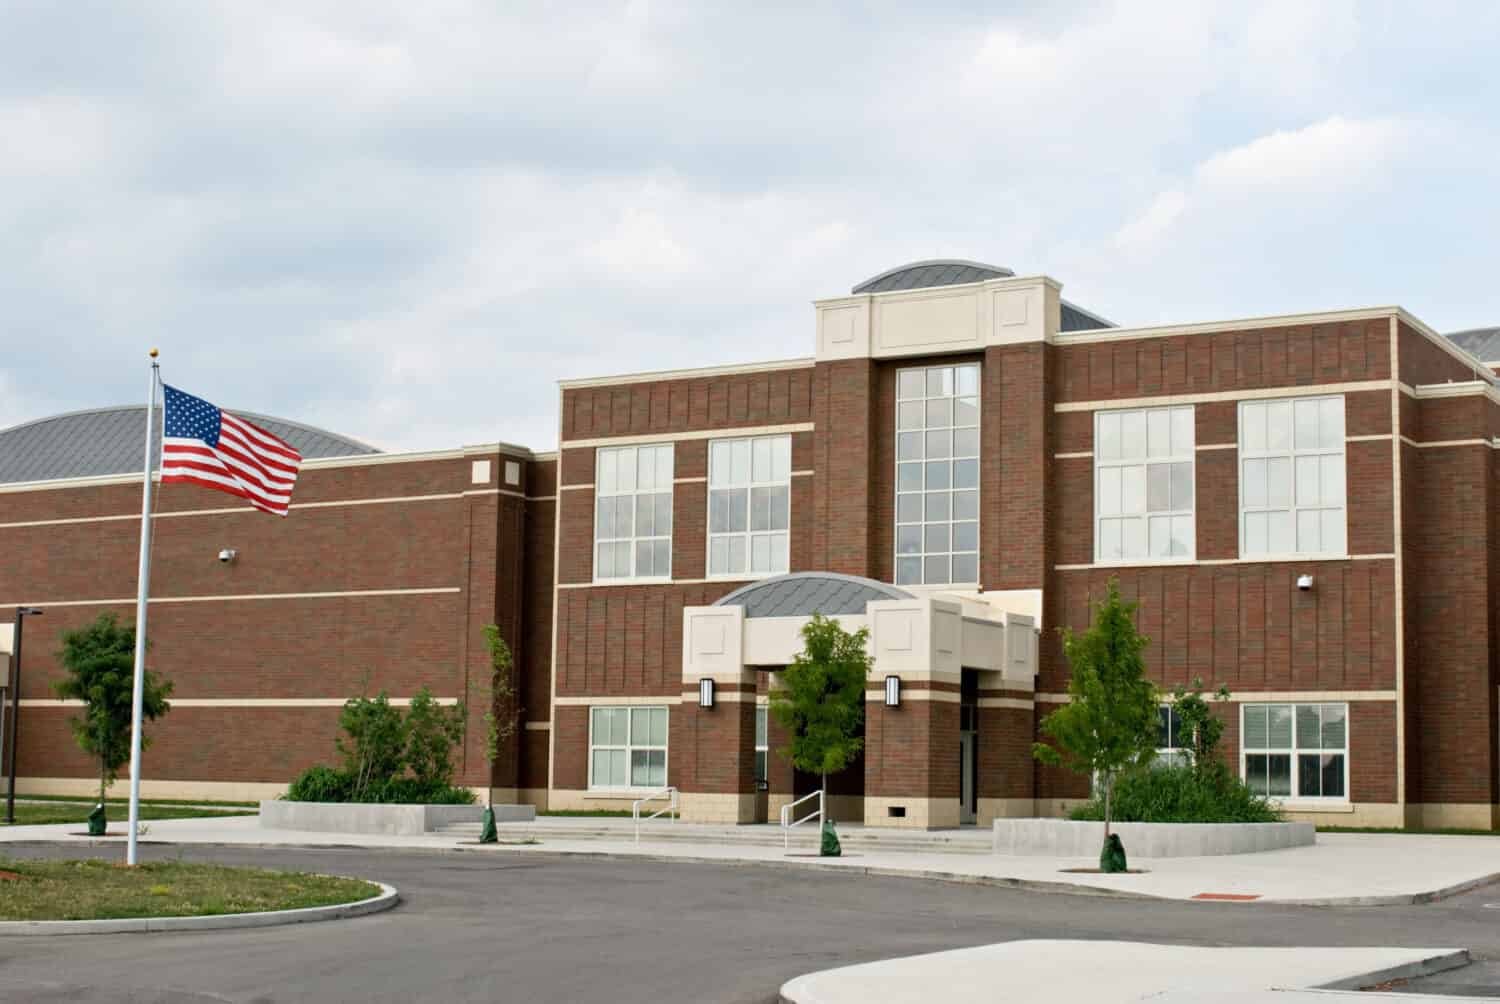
(1109, 790)
(103, 773)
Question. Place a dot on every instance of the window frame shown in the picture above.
(896, 492)
(634, 494)
(748, 535)
(1145, 461)
(1292, 454)
(629, 748)
(1294, 751)
(1175, 756)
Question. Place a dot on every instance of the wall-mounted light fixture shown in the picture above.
(1304, 582)
(893, 691)
(706, 692)
(228, 555)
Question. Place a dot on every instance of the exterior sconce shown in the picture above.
(893, 691)
(1304, 582)
(706, 692)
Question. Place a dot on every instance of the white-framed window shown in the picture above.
(1295, 751)
(1171, 745)
(1292, 477)
(1143, 484)
(628, 747)
(762, 746)
(749, 505)
(633, 512)
(937, 475)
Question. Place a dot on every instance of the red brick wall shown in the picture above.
(1017, 467)
(1420, 360)
(1247, 626)
(845, 485)
(1005, 762)
(768, 397)
(911, 750)
(1197, 363)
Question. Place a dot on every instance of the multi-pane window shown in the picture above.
(937, 475)
(1292, 476)
(1171, 745)
(633, 513)
(762, 745)
(1143, 484)
(1296, 750)
(749, 501)
(628, 747)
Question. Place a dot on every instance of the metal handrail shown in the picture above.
(788, 824)
(668, 792)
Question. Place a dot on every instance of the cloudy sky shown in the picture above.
(405, 221)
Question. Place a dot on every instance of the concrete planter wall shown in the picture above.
(394, 820)
(1067, 838)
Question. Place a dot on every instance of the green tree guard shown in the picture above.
(487, 834)
(830, 847)
(97, 822)
(1112, 857)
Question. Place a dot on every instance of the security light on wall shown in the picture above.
(228, 555)
(706, 692)
(893, 691)
(1304, 582)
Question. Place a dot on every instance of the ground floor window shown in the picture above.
(1296, 750)
(628, 747)
(1170, 749)
(762, 746)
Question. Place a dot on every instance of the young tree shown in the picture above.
(432, 732)
(100, 663)
(1110, 721)
(500, 718)
(821, 698)
(375, 748)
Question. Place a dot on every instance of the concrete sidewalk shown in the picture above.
(1341, 869)
(1115, 972)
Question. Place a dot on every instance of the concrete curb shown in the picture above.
(387, 898)
(1422, 967)
(884, 871)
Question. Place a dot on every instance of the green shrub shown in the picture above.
(1182, 794)
(374, 742)
(410, 791)
(432, 731)
(321, 784)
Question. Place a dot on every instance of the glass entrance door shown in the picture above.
(967, 801)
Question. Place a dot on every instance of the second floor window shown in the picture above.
(749, 505)
(1143, 484)
(937, 475)
(633, 513)
(1292, 477)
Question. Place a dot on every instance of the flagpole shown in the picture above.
(142, 582)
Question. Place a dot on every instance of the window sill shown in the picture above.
(618, 793)
(743, 577)
(656, 580)
(1142, 562)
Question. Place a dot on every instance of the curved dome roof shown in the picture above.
(957, 272)
(933, 272)
(102, 441)
(801, 594)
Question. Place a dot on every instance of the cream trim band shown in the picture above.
(1272, 559)
(583, 702)
(694, 434)
(1272, 697)
(244, 702)
(1206, 397)
(538, 726)
(230, 598)
(688, 374)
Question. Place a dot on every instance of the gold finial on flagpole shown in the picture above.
(153, 353)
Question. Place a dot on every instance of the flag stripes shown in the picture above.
(206, 446)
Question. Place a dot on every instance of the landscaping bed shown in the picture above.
(104, 890)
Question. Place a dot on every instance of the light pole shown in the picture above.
(15, 709)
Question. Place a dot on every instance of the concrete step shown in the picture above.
(854, 838)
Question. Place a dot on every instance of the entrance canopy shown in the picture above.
(917, 637)
(802, 594)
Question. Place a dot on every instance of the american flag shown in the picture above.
(206, 446)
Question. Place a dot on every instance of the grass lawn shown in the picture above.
(31, 814)
(103, 890)
(122, 800)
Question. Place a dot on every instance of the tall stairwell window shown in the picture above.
(937, 475)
